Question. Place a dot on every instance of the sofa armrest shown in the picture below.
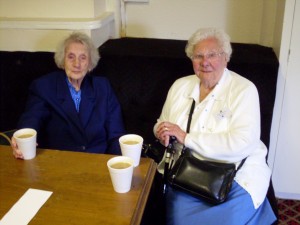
(5, 137)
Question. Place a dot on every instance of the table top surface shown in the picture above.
(81, 186)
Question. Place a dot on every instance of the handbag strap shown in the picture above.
(241, 164)
(190, 117)
(186, 150)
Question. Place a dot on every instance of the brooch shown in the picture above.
(224, 113)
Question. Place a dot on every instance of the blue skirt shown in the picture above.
(184, 209)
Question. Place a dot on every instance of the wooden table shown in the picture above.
(81, 186)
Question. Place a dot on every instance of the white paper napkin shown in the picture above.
(26, 207)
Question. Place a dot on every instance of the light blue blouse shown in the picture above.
(76, 95)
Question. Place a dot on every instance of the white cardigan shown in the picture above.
(225, 127)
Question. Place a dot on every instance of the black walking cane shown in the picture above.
(169, 152)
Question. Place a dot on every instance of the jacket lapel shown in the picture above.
(67, 104)
(88, 98)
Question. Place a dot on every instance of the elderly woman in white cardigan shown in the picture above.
(225, 127)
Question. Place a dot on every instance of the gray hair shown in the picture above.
(77, 37)
(205, 33)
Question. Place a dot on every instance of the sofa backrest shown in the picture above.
(17, 71)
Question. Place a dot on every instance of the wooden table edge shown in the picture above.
(141, 203)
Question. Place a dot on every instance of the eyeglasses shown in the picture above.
(209, 56)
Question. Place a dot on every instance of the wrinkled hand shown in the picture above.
(16, 152)
(167, 129)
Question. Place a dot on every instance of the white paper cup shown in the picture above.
(131, 146)
(26, 141)
(121, 172)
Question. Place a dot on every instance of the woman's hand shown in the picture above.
(167, 129)
(16, 152)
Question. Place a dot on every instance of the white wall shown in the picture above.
(246, 21)
(278, 26)
(47, 9)
(35, 25)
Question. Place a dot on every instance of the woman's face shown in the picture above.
(209, 61)
(77, 61)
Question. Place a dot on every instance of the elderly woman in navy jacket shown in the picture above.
(70, 109)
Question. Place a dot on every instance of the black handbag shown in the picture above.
(207, 180)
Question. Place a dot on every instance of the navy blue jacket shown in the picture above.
(51, 111)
